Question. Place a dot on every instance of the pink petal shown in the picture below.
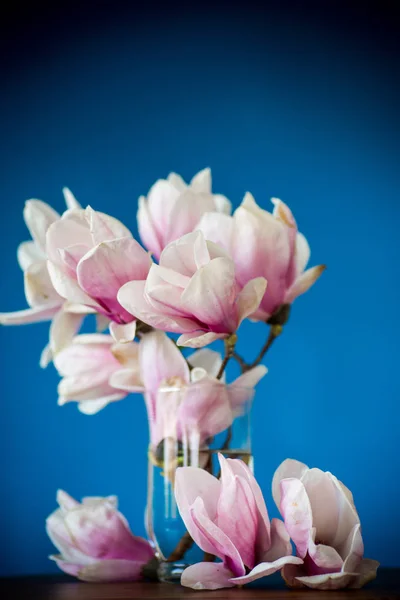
(70, 257)
(89, 352)
(280, 542)
(268, 250)
(205, 407)
(30, 315)
(70, 568)
(197, 493)
(161, 200)
(160, 360)
(188, 209)
(190, 483)
(68, 287)
(148, 233)
(123, 333)
(108, 266)
(303, 283)
(71, 230)
(288, 468)
(164, 288)
(210, 538)
(323, 559)
(128, 380)
(199, 339)
(329, 581)
(101, 532)
(38, 217)
(186, 255)
(323, 498)
(112, 571)
(105, 228)
(352, 550)
(211, 295)
(267, 568)
(237, 513)
(367, 572)
(70, 200)
(238, 467)
(296, 511)
(218, 228)
(241, 390)
(132, 297)
(348, 516)
(207, 576)
(250, 297)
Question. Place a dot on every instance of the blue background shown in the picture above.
(292, 103)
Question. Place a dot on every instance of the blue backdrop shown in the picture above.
(294, 105)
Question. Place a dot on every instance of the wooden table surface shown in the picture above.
(385, 587)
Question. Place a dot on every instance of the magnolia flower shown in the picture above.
(228, 519)
(193, 291)
(173, 208)
(86, 366)
(265, 245)
(44, 301)
(94, 540)
(321, 518)
(185, 404)
(91, 255)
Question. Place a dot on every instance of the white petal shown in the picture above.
(91, 407)
(123, 333)
(63, 329)
(38, 217)
(29, 253)
(70, 199)
(201, 182)
(207, 359)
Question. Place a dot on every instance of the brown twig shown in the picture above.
(230, 343)
(241, 362)
(274, 332)
(184, 544)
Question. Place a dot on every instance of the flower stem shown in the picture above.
(184, 544)
(241, 362)
(230, 344)
(274, 332)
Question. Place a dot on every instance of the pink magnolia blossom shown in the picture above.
(183, 403)
(193, 291)
(321, 518)
(265, 245)
(228, 518)
(94, 540)
(87, 365)
(173, 208)
(91, 255)
(44, 301)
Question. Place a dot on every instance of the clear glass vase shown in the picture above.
(219, 424)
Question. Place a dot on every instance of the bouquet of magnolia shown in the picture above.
(201, 272)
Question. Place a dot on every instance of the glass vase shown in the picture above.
(222, 426)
